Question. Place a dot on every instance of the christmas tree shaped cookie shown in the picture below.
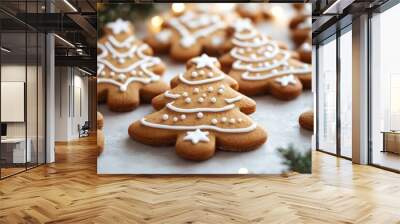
(190, 33)
(201, 113)
(260, 66)
(126, 70)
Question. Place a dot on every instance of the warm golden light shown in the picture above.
(156, 23)
(178, 7)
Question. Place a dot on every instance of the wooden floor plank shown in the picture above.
(70, 191)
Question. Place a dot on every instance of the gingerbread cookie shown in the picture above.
(202, 113)
(261, 66)
(301, 25)
(254, 11)
(306, 120)
(126, 70)
(189, 34)
(305, 52)
(100, 134)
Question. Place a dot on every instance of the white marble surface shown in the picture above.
(125, 156)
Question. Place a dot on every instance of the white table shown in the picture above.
(18, 144)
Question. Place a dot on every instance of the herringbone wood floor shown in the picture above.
(69, 191)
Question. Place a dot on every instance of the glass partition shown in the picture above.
(22, 78)
(385, 90)
(327, 96)
(346, 93)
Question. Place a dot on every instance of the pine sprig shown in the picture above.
(295, 160)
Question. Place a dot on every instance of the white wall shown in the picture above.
(71, 93)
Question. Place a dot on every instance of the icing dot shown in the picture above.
(210, 89)
(210, 74)
(196, 90)
(140, 73)
(200, 115)
(102, 73)
(195, 74)
(188, 100)
(175, 119)
(121, 77)
(121, 60)
(239, 120)
(185, 94)
(214, 121)
(165, 117)
(201, 100)
(232, 120)
(201, 72)
(183, 117)
(133, 72)
(204, 95)
(221, 91)
(213, 100)
(224, 119)
(112, 73)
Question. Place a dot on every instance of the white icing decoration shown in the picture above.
(224, 119)
(213, 100)
(286, 80)
(185, 94)
(127, 43)
(165, 117)
(306, 24)
(204, 95)
(217, 40)
(200, 115)
(171, 95)
(210, 89)
(201, 100)
(203, 81)
(183, 117)
(192, 21)
(197, 136)
(214, 121)
(201, 72)
(221, 91)
(182, 127)
(204, 61)
(239, 120)
(241, 25)
(188, 100)
(175, 119)
(232, 120)
(196, 90)
(306, 47)
(195, 74)
(121, 77)
(210, 75)
(164, 36)
(188, 41)
(118, 26)
(234, 99)
(193, 110)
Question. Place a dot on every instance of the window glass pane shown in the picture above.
(346, 94)
(327, 97)
(385, 89)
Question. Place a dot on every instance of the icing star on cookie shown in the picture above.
(127, 72)
(197, 136)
